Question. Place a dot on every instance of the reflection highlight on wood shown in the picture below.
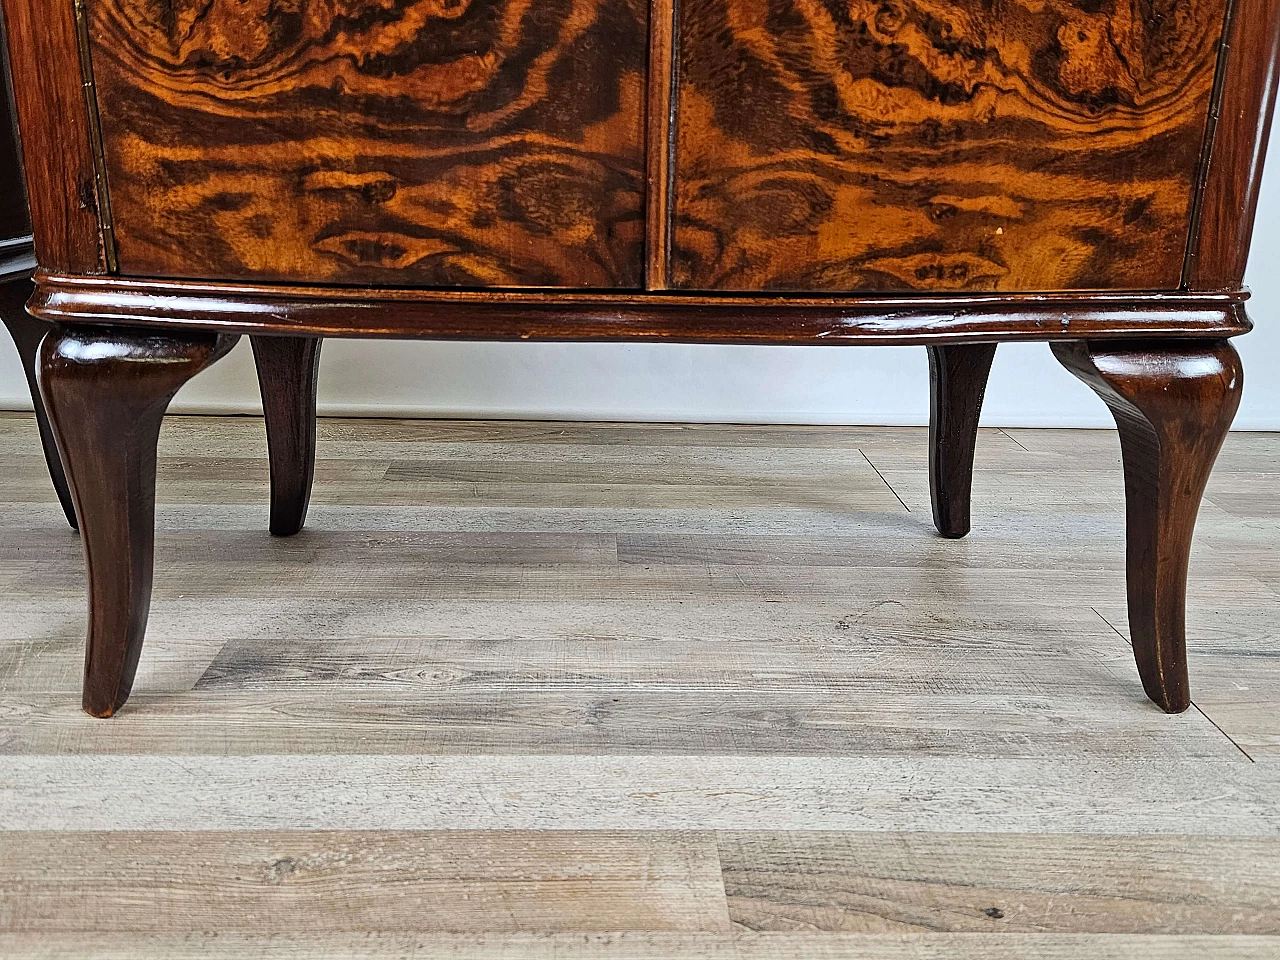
(1173, 403)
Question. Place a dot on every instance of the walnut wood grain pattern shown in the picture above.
(27, 332)
(533, 315)
(1173, 404)
(923, 145)
(957, 384)
(288, 374)
(56, 141)
(106, 392)
(440, 142)
(1250, 71)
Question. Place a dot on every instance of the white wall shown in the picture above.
(872, 385)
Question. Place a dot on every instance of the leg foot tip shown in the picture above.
(1170, 703)
(952, 528)
(279, 529)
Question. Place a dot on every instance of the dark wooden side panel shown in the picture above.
(433, 142)
(1229, 200)
(56, 144)
(939, 145)
(15, 223)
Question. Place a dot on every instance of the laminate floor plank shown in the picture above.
(1242, 451)
(276, 882)
(386, 564)
(613, 697)
(893, 882)
(637, 946)
(1198, 796)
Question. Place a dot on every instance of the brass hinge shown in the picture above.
(102, 196)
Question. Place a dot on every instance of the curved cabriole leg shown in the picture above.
(106, 391)
(1173, 402)
(957, 382)
(287, 375)
(27, 332)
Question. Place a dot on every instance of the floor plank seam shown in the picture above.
(886, 482)
(1193, 703)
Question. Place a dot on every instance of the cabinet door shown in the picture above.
(939, 145)
(399, 142)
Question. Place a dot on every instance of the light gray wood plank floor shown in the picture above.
(526, 690)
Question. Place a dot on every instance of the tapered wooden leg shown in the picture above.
(1173, 402)
(27, 332)
(106, 390)
(957, 382)
(287, 375)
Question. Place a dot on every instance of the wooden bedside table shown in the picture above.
(951, 174)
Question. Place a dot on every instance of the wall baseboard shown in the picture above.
(1243, 424)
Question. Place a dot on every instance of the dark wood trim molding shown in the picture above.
(467, 315)
(57, 147)
(107, 240)
(1240, 122)
(660, 143)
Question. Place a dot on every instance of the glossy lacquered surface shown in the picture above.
(1173, 404)
(1236, 147)
(329, 311)
(912, 147)
(106, 393)
(468, 143)
(957, 382)
(939, 146)
(288, 374)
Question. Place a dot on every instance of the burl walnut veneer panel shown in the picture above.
(404, 142)
(939, 145)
